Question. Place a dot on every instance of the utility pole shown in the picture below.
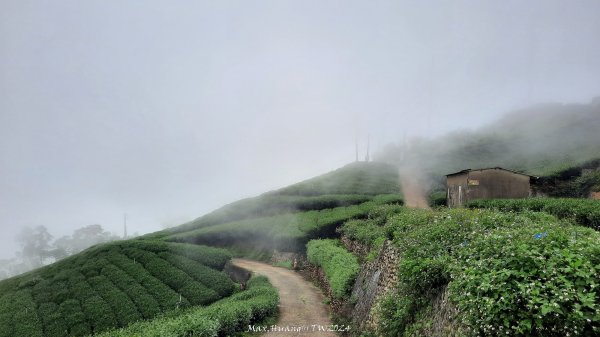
(124, 225)
(356, 146)
(367, 158)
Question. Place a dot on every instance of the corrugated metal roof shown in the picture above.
(489, 168)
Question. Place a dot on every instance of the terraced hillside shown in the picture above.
(173, 272)
(112, 286)
(288, 218)
(481, 272)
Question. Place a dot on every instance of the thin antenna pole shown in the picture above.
(124, 225)
(368, 148)
(356, 147)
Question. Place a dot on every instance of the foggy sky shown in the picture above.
(168, 109)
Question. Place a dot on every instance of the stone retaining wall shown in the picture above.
(375, 279)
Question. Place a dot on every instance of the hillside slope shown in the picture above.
(110, 286)
(113, 285)
(538, 140)
(288, 218)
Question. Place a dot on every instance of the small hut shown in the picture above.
(486, 183)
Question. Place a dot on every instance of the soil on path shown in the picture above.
(300, 302)
(413, 188)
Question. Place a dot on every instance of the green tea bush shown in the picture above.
(6, 315)
(144, 302)
(98, 313)
(162, 293)
(110, 286)
(73, 316)
(25, 311)
(517, 274)
(222, 318)
(355, 178)
(368, 231)
(585, 212)
(194, 292)
(287, 232)
(211, 278)
(339, 265)
(52, 319)
(215, 258)
(530, 282)
(264, 206)
(124, 309)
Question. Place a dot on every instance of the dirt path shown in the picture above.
(300, 304)
(412, 188)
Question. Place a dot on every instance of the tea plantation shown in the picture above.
(504, 273)
(585, 212)
(168, 283)
(222, 318)
(352, 184)
(112, 286)
(287, 232)
(339, 265)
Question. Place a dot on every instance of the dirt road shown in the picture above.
(300, 304)
(413, 188)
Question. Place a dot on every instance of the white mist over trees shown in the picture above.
(538, 140)
(37, 247)
(170, 109)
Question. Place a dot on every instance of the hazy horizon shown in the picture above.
(169, 110)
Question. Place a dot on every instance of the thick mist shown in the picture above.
(165, 111)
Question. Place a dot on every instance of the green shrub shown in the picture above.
(339, 265)
(163, 294)
(211, 278)
(144, 302)
(530, 282)
(369, 230)
(585, 212)
(286, 232)
(99, 314)
(518, 274)
(222, 318)
(438, 198)
(73, 316)
(52, 319)
(25, 318)
(124, 309)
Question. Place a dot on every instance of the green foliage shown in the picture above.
(573, 181)
(214, 280)
(524, 274)
(264, 206)
(369, 230)
(287, 232)
(111, 286)
(124, 309)
(355, 178)
(437, 199)
(340, 266)
(222, 318)
(585, 212)
(116, 284)
(530, 281)
(568, 135)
